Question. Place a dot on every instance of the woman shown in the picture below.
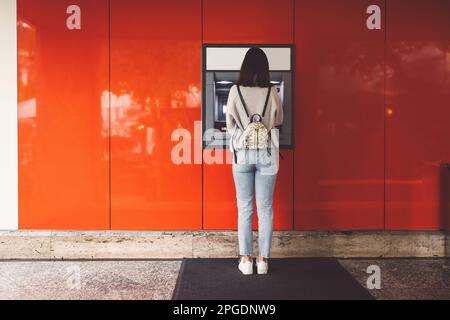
(253, 169)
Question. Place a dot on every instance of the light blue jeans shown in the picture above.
(254, 171)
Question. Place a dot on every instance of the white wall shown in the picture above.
(8, 116)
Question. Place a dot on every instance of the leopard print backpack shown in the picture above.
(256, 135)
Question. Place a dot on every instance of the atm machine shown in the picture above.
(221, 65)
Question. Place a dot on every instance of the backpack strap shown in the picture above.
(265, 104)
(242, 100)
(267, 100)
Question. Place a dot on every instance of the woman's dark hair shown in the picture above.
(255, 64)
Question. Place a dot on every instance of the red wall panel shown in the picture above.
(248, 21)
(155, 89)
(83, 121)
(339, 117)
(63, 121)
(418, 98)
(219, 195)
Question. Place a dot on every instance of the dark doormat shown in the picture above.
(288, 279)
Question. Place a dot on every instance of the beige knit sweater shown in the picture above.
(254, 98)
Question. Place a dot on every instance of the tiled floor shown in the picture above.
(155, 279)
(88, 279)
(405, 278)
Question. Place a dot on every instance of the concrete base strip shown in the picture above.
(92, 245)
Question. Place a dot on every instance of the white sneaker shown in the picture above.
(246, 267)
(262, 266)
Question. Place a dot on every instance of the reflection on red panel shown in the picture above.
(63, 120)
(219, 194)
(155, 89)
(248, 21)
(283, 197)
(418, 99)
(339, 117)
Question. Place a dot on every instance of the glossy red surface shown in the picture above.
(155, 89)
(63, 131)
(339, 117)
(418, 101)
(248, 21)
(219, 195)
(96, 116)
